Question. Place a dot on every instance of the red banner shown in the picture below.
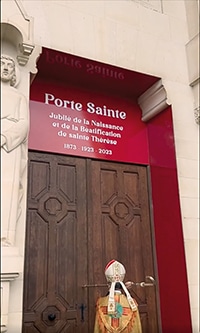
(78, 122)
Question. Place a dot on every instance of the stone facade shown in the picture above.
(159, 38)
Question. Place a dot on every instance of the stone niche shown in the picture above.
(18, 50)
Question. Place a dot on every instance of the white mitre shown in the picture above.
(115, 272)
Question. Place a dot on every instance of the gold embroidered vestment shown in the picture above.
(124, 320)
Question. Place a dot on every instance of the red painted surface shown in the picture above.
(174, 298)
(122, 88)
(93, 75)
(65, 130)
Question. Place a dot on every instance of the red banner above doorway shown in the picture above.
(76, 122)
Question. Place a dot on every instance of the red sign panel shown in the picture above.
(74, 121)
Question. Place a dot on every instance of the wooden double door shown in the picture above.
(82, 213)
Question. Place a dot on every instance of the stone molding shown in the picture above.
(26, 51)
(153, 101)
(3, 329)
(9, 276)
(6, 280)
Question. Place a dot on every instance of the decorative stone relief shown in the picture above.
(18, 61)
(17, 51)
(197, 115)
(14, 131)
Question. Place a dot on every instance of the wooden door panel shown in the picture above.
(81, 214)
(56, 244)
(120, 229)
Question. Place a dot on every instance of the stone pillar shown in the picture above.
(18, 63)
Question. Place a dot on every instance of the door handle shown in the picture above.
(149, 282)
(82, 307)
(94, 285)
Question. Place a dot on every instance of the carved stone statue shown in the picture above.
(14, 131)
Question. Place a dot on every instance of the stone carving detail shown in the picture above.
(16, 51)
(197, 115)
(26, 50)
(14, 131)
